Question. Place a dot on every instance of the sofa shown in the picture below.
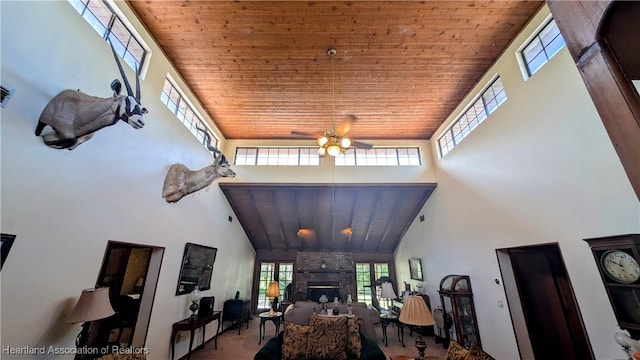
(324, 338)
(300, 312)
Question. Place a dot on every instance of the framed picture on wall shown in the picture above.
(415, 268)
(7, 241)
(197, 268)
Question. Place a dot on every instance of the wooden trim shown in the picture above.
(583, 24)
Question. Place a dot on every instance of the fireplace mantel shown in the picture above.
(326, 271)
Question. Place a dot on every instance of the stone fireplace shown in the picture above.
(331, 273)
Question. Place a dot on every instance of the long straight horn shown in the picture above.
(137, 85)
(124, 77)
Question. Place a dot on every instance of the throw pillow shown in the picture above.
(328, 338)
(455, 351)
(294, 341)
(476, 353)
(354, 345)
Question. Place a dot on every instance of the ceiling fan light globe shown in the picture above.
(345, 142)
(322, 151)
(333, 150)
(323, 140)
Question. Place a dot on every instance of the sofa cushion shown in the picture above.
(354, 344)
(301, 311)
(455, 351)
(294, 343)
(327, 338)
(476, 353)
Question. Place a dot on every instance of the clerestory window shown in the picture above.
(109, 25)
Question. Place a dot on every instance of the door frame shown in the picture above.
(572, 319)
(150, 284)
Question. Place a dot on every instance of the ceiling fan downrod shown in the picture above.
(332, 53)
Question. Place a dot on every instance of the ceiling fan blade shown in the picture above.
(304, 135)
(345, 125)
(360, 145)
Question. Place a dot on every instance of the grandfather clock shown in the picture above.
(618, 260)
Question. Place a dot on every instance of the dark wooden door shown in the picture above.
(551, 313)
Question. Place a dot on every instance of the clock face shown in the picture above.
(620, 266)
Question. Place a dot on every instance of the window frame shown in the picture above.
(120, 45)
(374, 274)
(536, 37)
(376, 157)
(273, 156)
(277, 272)
(193, 121)
(472, 117)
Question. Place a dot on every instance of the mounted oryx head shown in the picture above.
(75, 116)
(181, 181)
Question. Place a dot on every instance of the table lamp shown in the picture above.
(415, 312)
(273, 291)
(323, 301)
(195, 297)
(388, 293)
(93, 304)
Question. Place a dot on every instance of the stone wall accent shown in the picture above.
(339, 268)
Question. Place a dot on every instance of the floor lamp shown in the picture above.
(416, 312)
(94, 304)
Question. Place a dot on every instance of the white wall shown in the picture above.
(541, 169)
(65, 205)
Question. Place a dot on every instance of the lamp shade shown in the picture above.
(415, 312)
(387, 291)
(93, 305)
(333, 150)
(273, 290)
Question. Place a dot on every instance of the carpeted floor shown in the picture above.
(232, 346)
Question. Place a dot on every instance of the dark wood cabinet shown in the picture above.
(457, 301)
(236, 311)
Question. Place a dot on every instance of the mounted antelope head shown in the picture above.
(75, 116)
(181, 181)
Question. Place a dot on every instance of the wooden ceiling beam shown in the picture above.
(262, 229)
(280, 219)
(390, 220)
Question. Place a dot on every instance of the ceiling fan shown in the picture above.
(334, 141)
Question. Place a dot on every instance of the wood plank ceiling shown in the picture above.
(354, 217)
(260, 69)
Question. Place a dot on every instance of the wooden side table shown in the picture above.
(385, 320)
(264, 317)
(192, 324)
